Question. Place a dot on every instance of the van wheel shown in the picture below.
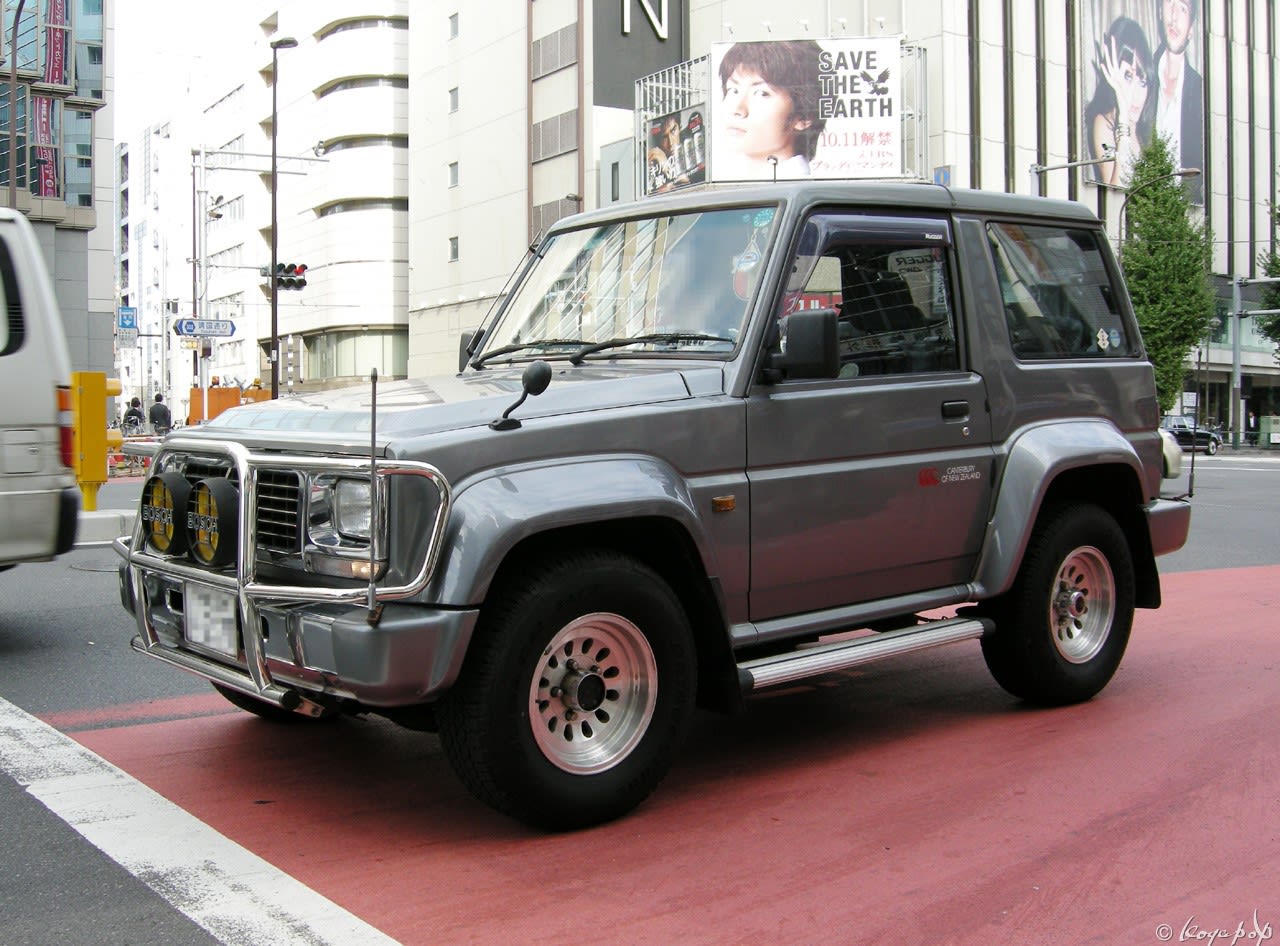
(1062, 628)
(575, 694)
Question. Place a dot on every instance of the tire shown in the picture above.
(269, 711)
(539, 725)
(1211, 447)
(1062, 628)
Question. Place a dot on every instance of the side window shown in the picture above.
(1059, 301)
(13, 328)
(891, 290)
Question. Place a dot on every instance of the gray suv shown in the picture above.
(708, 444)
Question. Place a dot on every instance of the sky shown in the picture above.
(159, 45)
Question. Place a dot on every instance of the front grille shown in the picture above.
(279, 513)
(196, 469)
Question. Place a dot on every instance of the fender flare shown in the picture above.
(497, 510)
(1035, 459)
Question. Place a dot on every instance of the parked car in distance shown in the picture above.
(1172, 455)
(1190, 435)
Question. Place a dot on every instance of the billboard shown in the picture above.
(675, 151)
(829, 108)
(1142, 77)
(632, 38)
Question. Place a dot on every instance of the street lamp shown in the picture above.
(1108, 154)
(284, 42)
(13, 107)
(1184, 173)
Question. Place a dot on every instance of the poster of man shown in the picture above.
(1142, 78)
(806, 108)
(675, 154)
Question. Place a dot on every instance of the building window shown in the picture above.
(453, 99)
(453, 249)
(554, 51)
(453, 26)
(615, 182)
(367, 141)
(555, 135)
(355, 204)
(364, 82)
(453, 173)
(364, 23)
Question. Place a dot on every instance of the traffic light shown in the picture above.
(291, 275)
(92, 440)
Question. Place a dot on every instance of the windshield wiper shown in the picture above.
(520, 346)
(655, 338)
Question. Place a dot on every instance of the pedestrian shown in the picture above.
(161, 419)
(133, 418)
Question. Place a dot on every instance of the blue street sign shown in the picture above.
(209, 328)
(127, 317)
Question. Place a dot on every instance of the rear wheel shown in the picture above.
(576, 693)
(1063, 627)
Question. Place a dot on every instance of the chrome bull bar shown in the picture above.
(245, 584)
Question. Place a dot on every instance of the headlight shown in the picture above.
(352, 508)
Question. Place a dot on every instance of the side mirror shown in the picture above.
(810, 348)
(533, 381)
(467, 345)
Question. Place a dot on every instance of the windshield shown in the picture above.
(677, 283)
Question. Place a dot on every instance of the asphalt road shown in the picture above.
(908, 801)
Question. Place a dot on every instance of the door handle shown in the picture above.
(955, 410)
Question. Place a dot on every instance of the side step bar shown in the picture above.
(841, 655)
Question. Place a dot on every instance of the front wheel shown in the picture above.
(1062, 628)
(575, 694)
(1211, 447)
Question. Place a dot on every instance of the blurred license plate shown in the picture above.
(211, 619)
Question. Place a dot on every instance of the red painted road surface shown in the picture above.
(909, 802)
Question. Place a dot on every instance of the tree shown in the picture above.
(1269, 325)
(1165, 256)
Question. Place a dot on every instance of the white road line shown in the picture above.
(237, 896)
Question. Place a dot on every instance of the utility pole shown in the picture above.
(1239, 314)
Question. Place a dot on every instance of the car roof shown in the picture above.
(896, 195)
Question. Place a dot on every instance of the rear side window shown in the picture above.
(13, 328)
(1059, 301)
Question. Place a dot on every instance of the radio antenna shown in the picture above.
(375, 609)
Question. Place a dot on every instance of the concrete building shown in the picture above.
(422, 150)
(196, 199)
(521, 115)
(55, 165)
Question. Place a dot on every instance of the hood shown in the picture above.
(417, 407)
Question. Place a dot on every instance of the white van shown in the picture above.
(39, 500)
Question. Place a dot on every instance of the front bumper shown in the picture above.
(301, 647)
(312, 652)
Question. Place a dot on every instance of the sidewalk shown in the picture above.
(115, 514)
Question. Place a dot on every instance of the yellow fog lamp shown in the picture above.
(164, 504)
(213, 511)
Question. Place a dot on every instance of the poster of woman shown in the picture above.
(806, 108)
(1141, 79)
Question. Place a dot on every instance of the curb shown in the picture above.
(103, 527)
